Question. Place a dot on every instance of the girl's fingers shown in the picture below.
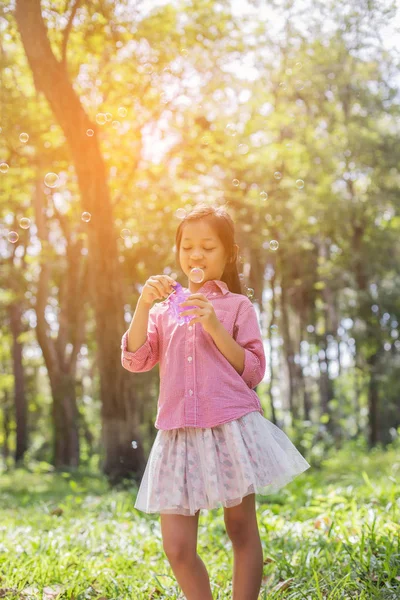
(168, 285)
(190, 312)
(155, 290)
(160, 285)
(196, 301)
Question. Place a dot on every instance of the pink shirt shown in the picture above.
(198, 385)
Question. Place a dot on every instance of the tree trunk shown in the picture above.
(6, 428)
(15, 313)
(326, 388)
(373, 402)
(87, 434)
(270, 337)
(117, 397)
(65, 421)
(301, 377)
(358, 385)
(256, 277)
(61, 368)
(289, 351)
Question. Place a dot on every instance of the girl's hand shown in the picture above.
(205, 312)
(157, 287)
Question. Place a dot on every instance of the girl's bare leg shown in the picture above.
(242, 529)
(179, 534)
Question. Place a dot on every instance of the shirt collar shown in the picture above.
(212, 283)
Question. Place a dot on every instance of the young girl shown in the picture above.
(214, 446)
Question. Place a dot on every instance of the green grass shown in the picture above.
(332, 533)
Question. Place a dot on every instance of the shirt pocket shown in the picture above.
(226, 318)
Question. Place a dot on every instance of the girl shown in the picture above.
(214, 446)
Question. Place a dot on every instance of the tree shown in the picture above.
(117, 396)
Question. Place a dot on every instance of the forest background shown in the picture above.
(116, 118)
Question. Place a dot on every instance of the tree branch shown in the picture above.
(67, 31)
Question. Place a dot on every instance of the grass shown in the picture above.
(332, 533)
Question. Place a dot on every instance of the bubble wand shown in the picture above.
(180, 295)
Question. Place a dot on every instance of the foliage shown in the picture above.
(205, 104)
(331, 533)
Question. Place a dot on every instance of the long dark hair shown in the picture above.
(224, 227)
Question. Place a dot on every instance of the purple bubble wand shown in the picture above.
(179, 295)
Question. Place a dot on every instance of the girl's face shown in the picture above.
(201, 247)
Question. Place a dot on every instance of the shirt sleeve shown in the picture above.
(247, 333)
(147, 356)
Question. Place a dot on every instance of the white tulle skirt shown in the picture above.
(192, 468)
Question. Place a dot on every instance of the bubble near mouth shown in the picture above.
(196, 275)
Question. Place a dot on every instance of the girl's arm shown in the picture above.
(137, 332)
(248, 335)
(140, 344)
(246, 354)
(233, 352)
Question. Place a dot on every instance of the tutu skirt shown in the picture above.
(190, 468)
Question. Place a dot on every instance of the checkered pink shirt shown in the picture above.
(198, 385)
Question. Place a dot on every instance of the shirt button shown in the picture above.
(190, 327)
(189, 358)
(191, 392)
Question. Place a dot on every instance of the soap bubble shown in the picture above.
(108, 116)
(231, 129)
(86, 216)
(13, 237)
(274, 245)
(243, 148)
(89, 132)
(4, 167)
(299, 84)
(148, 68)
(23, 137)
(122, 112)
(51, 180)
(299, 65)
(283, 85)
(125, 233)
(180, 213)
(184, 52)
(101, 118)
(196, 275)
(115, 124)
(278, 175)
(250, 293)
(263, 195)
(24, 223)
(235, 182)
(299, 184)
